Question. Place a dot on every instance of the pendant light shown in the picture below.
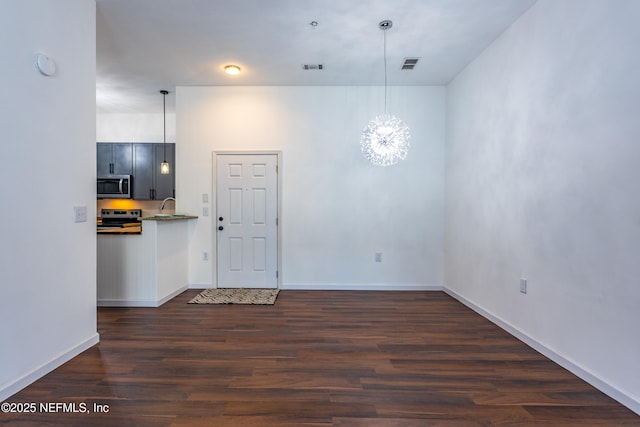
(385, 140)
(164, 166)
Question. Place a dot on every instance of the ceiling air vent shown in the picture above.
(409, 63)
(312, 67)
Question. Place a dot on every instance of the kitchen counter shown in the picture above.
(143, 269)
(137, 229)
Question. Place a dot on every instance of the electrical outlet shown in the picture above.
(523, 286)
(378, 256)
(205, 256)
(205, 211)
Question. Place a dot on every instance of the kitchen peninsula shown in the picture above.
(145, 269)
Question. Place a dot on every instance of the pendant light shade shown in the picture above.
(385, 140)
(164, 166)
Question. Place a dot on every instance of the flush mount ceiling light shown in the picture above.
(164, 166)
(232, 69)
(385, 140)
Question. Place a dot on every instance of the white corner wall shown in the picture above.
(337, 209)
(47, 262)
(542, 182)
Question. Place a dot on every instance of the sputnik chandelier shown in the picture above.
(385, 140)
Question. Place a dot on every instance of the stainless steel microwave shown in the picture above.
(114, 187)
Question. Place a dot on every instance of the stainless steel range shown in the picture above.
(119, 218)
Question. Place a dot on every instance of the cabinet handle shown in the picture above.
(151, 194)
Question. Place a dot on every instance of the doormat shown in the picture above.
(236, 296)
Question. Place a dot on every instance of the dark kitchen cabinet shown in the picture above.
(148, 182)
(114, 158)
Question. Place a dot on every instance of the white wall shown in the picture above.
(337, 209)
(542, 182)
(47, 262)
(134, 127)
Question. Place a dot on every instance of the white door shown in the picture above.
(246, 220)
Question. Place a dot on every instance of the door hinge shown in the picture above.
(276, 274)
(276, 222)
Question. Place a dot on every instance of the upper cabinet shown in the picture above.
(114, 159)
(148, 182)
(142, 161)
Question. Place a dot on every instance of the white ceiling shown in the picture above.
(147, 45)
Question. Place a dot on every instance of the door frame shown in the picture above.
(214, 208)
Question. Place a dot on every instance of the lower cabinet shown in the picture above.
(143, 270)
(148, 182)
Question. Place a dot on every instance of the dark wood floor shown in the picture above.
(316, 358)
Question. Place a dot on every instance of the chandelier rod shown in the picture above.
(385, 70)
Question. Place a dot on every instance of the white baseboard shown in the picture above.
(359, 287)
(172, 295)
(611, 391)
(42, 370)
(126, 303)
(140, 303)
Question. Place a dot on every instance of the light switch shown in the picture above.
(523, 286)
(205, 211)
(205, 198)
(80, 213)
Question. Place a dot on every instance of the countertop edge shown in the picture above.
(132, 231)
(169, 218)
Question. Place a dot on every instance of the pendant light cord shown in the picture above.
(164, 125)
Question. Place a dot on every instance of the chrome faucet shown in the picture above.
(165, 201)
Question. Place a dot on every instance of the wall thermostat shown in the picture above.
(45, 65)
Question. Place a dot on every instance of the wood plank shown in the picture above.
(315, 358)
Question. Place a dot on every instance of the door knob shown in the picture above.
(220, 218)
(221, 228)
